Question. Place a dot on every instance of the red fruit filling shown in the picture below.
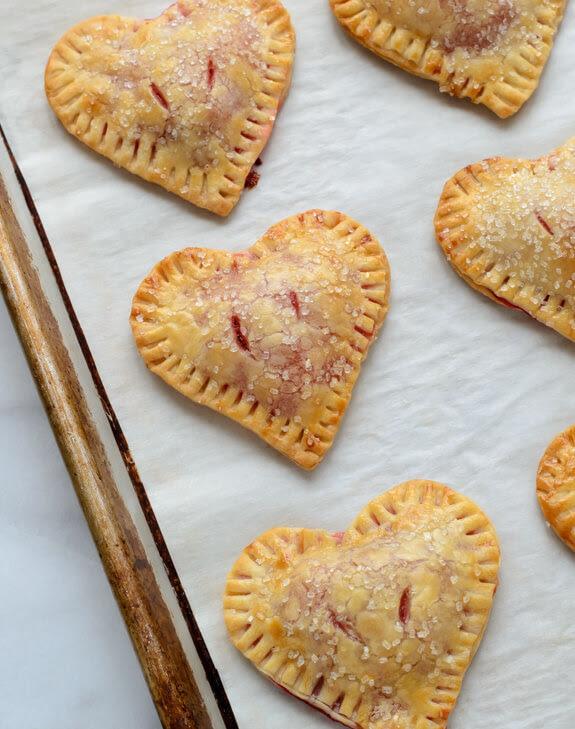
(543, 223)
(345, 625)
(252, 179)
(508, 304)
(293, 297)
(241, 338)
(405, 606)
(159, 96)
(211, 73)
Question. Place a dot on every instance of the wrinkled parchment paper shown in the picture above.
(456, 389)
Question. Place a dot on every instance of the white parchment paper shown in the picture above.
(456, 389)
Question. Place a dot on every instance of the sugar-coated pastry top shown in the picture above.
(491, 51)
(508, 227)
(187, 100)
(377, 625)
(273, 336)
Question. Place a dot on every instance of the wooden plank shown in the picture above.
(174, 690)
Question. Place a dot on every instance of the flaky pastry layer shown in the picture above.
(508, 228)
(377, 625)
(490, 51)
(186, 100)
(274, 336)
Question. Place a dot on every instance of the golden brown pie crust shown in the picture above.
(507, 227)
(490, 51)
(377, 625)
(274, 336)
(556, 485)
(186, 100)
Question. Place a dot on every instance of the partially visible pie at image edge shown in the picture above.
(490, 51)
(556, 485)
(507, 226)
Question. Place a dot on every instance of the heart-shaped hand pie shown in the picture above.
(375, 626)
(508, 228)
(187, 100)
(556, 485)
(272, 337)
(490, 51)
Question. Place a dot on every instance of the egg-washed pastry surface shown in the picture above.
(490, 51)
(186, 100)
(377, 625)
(556, 485)
(273, 336)
(507, 226)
